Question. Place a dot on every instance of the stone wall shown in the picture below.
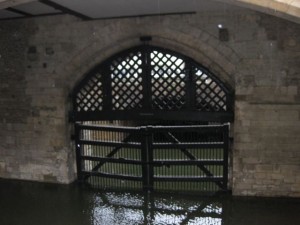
(266, 152)
(257, 55)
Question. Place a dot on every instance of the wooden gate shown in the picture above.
(170, 158)
(150, 83)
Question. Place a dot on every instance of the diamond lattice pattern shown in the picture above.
(167, 84)
(126, 82)
(167, 81)
(209, 95)
(90, 96)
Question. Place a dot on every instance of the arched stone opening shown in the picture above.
(153, 85)
(148, 82)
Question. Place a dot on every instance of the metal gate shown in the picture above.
(151, 83)
(171, 158)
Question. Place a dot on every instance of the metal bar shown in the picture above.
(188, 178)
(112, 160)
(186, 162)
(182, 115)
(144, 152)
(107, 175)
(35, 16)
(107, 89)
(64, 9)
(112, 144)
(225, 155)
(190, 145)
(190, 87)
(192, 157)
(108, 128)
(147, 15)
(19, 12)
(189, 128)
(146, 76)
(150, 148)
(78, 154)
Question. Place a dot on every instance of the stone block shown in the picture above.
(2, 167)
(264, 73)
(50, 178)
(264, 168)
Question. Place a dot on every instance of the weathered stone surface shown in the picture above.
(42, 59)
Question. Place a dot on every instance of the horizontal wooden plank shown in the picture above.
(153, 115)
(111, 160)
(112, 144)
(187, 162)
(205, 145)
(188, 178)
(114, 176)
(107, 128)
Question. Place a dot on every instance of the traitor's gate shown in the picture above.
(148, 83)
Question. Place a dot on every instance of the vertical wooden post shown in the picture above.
(78, 153)
(149, 135)
(225, 155)
(147, 158)
(144, 153)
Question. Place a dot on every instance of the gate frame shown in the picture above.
(147, 162)
(185, 114)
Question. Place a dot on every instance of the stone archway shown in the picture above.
(148, 82)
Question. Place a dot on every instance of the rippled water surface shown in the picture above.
(25, 203)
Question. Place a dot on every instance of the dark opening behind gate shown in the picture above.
(148, 83)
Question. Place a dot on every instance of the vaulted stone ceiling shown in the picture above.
(288, 9)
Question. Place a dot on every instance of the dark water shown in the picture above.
(24, 203)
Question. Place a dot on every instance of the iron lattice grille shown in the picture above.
(148, 82)
(126, 82)
(167, 81)
(90, 96)
(209, 95)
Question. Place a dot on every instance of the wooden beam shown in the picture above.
(19, 12)
(11, 3)
(64, 9)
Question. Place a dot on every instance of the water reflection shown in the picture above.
(149, 208)
(23, 203)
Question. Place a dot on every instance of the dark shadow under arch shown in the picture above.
(151, 83)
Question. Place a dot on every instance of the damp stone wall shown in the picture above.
(42, 59)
